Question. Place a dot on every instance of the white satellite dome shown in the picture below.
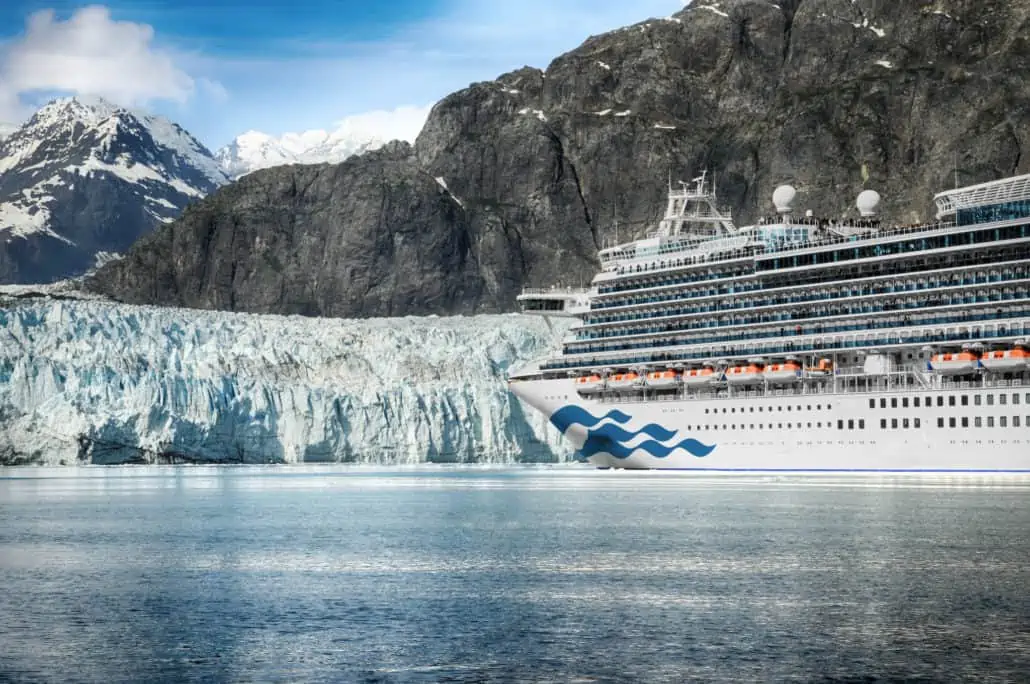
(783, 197)
(868, 201)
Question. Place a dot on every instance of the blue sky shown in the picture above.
(223, 67)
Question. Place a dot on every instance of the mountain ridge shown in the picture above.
(83, 177)
(520, 180)
(352, 136)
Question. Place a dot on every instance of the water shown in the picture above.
(530, 574)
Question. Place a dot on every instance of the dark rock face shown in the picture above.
(83, 179)
(519, 181)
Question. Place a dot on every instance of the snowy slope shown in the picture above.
(100, 382)
(6, 129)
(254, 150)
(84, 176)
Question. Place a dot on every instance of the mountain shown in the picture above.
(354, 135)
(83, 179)
(518, 181)
(6, 130)
(94, 382)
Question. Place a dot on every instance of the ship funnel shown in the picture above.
(868, 201)
(783, 197)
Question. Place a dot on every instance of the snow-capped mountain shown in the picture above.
(95, 382)
(84, 177)
(254, 150)
(6, 129)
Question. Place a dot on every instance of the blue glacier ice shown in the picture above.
(98, 382)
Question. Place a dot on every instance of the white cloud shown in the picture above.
(90, 53)
(402, 123)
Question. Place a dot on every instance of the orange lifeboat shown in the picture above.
(663, 379)
(1006, 360)
(624, 381)
(698, 377)
(955, 363)
(750, 374)
(821, 370)
(589, 384)
(783, 373)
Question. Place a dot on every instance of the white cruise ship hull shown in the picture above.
(960, 431)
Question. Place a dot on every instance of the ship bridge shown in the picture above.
(999, 200)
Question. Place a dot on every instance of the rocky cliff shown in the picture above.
(518, 181)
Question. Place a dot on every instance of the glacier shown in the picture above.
(95, 382)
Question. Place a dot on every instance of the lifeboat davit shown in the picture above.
(624, 381)
(663, 379)
(783, 373)
(699, 377)
(750, 374)
(956, 363)
(589, 384)
(1006, 360)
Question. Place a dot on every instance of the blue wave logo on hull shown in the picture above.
(612, 439)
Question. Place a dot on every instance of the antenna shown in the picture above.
(954, 158)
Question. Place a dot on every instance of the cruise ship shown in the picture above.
(800, 344)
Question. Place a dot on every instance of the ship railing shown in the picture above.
(556, 290)
(900, 381)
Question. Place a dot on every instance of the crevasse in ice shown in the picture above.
(96, 382)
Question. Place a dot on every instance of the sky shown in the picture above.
(223, 67)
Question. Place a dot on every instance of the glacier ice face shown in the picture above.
(96, 382)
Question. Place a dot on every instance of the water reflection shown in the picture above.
(472, 574)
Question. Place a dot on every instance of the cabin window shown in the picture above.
(951, 422)
(915, 423)
(990, 421)
(965, 421)
(883, 403)
(940, 422)
(861, 423)
(872, 403)
(976, 422)
(840, 424)
(1003, 421)
(990, 400)
(894, 423)
(976, 400)
(951, 400)
(940, 401)
(1003, 399)
(1015, 398)
(883, 423)
(851, 424)
(1015, 421)
(915, 401)
(894, 402)
(965, 400)
(904, 402)
(904, 423)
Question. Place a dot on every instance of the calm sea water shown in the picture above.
(527, 574)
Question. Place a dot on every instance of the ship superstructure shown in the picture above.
(801, 343)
